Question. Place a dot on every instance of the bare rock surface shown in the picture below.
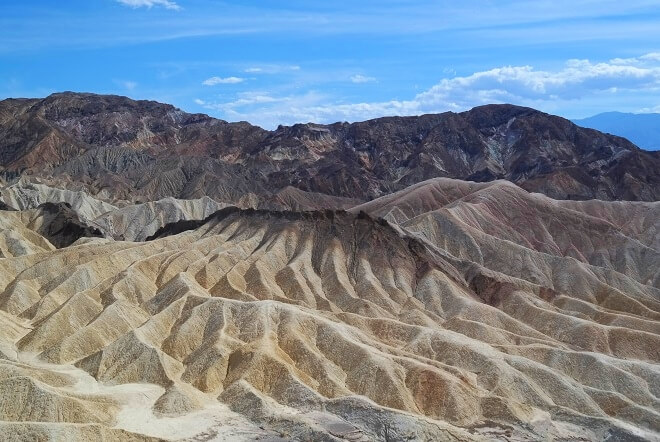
(117, 148)
(469, 311)
(123, 220)
(487, 275)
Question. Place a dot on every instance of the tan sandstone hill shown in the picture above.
(469, 312)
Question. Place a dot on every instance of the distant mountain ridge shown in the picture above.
(641, 129)
(116, 148)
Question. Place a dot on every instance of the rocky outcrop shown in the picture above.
(60, 224)
(122, 149)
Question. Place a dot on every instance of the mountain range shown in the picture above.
(117, 148)
(486, 275)
(641, 129)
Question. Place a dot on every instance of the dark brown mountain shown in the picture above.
(118, 148)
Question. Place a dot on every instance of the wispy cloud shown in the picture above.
(358, 78)
(650, 110)
(219, 80)
(167, 4)
(508, 23)
(577, 79)
(127, 85)
(645, 60)
(271, 69)
(268, 111)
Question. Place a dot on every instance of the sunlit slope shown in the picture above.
(453, 324)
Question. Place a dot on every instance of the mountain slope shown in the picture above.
(117, 148)
(493, 217)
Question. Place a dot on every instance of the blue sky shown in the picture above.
(274, 62)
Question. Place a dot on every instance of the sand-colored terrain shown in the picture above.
(448, 311)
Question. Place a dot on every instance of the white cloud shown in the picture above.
(167, 4)
(645, 60)
(650, 110)
(524, 85)
(272, 69)
(358, 78)
(519, 83)
(269, 111)
(243, 99)
(651, 56)
(200, 102)
(218, 80)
